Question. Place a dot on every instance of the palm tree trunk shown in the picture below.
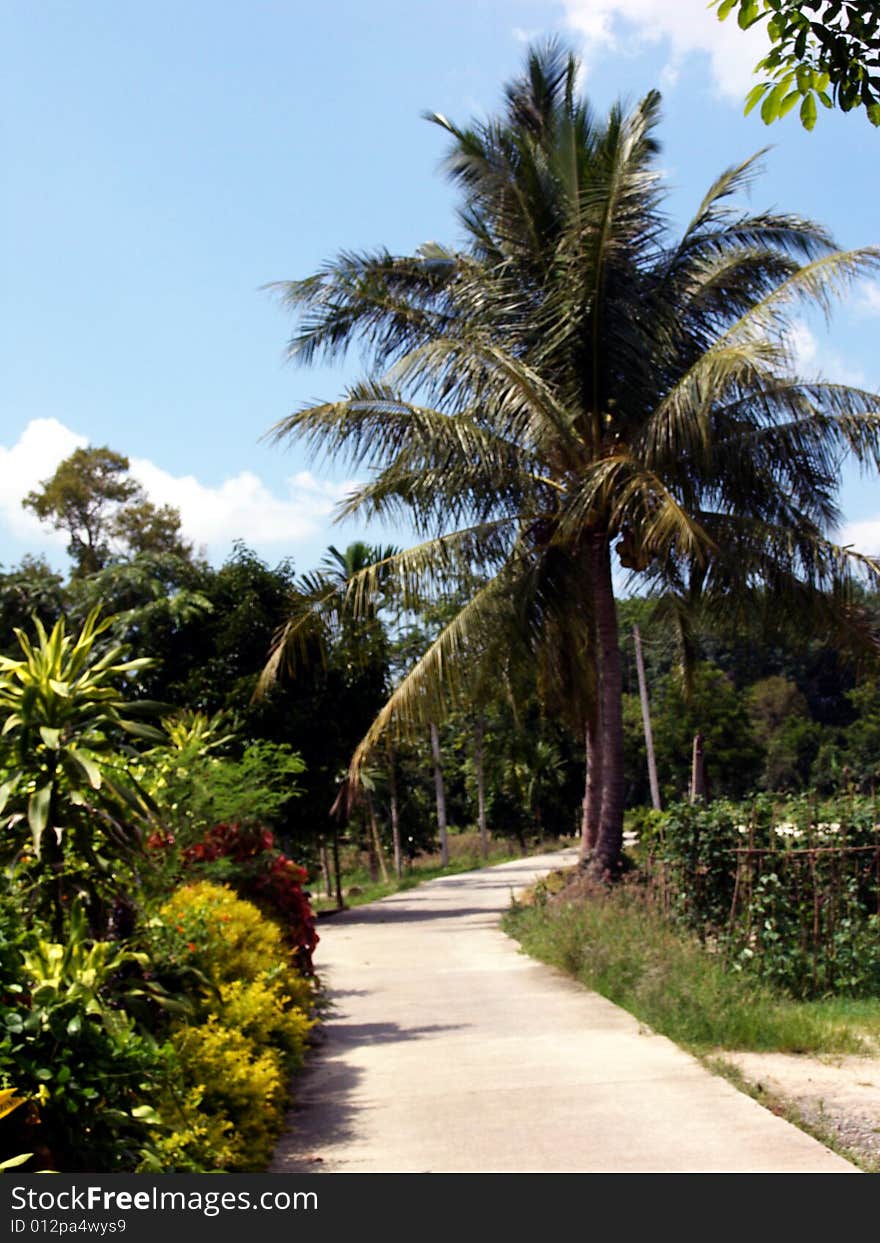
(479, 731)
(441, 795)
(609, 843)
(592, 788)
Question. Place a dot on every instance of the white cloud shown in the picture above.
(869, 299)
(241, 507)
(813, 359)
(863, 536)
(687, 26)
(34, 457)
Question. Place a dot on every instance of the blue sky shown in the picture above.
(163, 163)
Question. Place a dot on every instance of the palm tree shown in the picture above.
(573, 382)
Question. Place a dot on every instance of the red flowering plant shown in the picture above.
(247, 857)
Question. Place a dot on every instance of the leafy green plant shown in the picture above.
(71, 1049)
(71, 812)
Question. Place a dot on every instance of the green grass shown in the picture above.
(619, 945)
(464, 856)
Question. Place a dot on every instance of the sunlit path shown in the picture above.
(447, 1050)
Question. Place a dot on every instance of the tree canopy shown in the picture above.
(821, 50)
(104, 511)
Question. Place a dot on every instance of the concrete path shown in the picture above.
(447, 1050)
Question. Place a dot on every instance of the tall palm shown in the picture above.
(574, 381)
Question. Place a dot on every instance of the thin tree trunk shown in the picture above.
(395, 814)
(646, 721)
(592, 788)
(337, 871)
(441, 795)
(376, 844)
(698, 770)
(609, 844)
(479, 731)
(325, 867)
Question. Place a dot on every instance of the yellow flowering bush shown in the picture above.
(233, 1065)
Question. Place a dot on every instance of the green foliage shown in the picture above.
(710, 706)
(67, 803)
(239, 1082)
(70, 1048)
(780, 892)
(264, 1010)
(31, 589)
(816, 47)
(194, 788)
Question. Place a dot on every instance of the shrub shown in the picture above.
(246, 856)
(262, 1010)
(781, 892)
(238, 1083)
(225, 1107)
(75, 1055)
(229, 939)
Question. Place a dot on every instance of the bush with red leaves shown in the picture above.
(259, 871)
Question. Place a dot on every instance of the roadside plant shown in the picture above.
(71, 1050)
(72, 816)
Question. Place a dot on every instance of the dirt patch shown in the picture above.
(838, 1097)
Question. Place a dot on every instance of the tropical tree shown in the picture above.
(575, 382)
(93, 498)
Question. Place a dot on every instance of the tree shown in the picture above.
(574, 383)
(31, 589)
(816, 45)
(92, 497)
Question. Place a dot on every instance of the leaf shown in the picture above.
(808, 111)
(38, 813)
(770, 106)
(147, 1114)
(75, 1025)
(724, 8)
(8, 1101)
(755, 94)
(7, 788)
(12, 1162)
(51, 737)
(789, 102)
(140, 730)
(88, 766)
(873, 111)
(748, 13)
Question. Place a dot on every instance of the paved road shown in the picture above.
(447, 1050)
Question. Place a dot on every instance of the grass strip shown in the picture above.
(618, 944)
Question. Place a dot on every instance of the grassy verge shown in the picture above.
(619, 945)
(465, 856)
